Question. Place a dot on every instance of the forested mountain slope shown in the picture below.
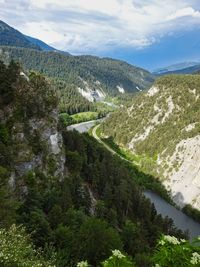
(89, 74)
(75, 199)
(162, 126)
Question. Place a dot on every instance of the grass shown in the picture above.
(79, 117)
(85, 116)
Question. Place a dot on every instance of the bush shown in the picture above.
(175, 253)
(18, 251)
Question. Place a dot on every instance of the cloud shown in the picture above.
(184, 12)
(88, 26)
(44, 30)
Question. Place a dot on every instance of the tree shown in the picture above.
(96, 240)
(17, 250)
(8, 204)
(173, 252)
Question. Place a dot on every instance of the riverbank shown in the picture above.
(162, 204)
(149, 182)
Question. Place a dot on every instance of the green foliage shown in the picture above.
(4, 134)
(170, 251)
(153, 114)
(85, 116)
(143, 180)
(8, 76)
(75, 161)
(33, 101)
(70, 101)
(95, 207)
(8, 203)
(98, 239)
(192, 212)
(118, 259)
(175, 253)
(71, 72)
(17, 250)
(109, 72)
(66, 119)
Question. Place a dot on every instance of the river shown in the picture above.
(83, 126)
(181, 221)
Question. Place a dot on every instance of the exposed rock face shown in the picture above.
(92, 92)
(37, 142)
(184, 180)
(29, 129)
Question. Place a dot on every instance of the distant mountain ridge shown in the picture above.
(11, 37)
(93, 77)
(180, 68)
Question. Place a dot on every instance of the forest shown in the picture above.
(82, 214)
(72, 72)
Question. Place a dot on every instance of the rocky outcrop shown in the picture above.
(29, 135)
(184, 178)
(38, 145)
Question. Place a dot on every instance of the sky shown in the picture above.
(148, 33)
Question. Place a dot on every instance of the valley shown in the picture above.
(181, 220)
(168, 134)
(99, 159)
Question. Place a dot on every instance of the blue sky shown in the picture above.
(148, 33)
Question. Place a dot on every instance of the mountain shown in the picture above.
(93, 77)
(188, 70)
(12, 37)
(162, 128)
(64, 188)
(177, 68)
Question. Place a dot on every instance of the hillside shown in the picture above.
(93, 77)
(162, 127)
(73, 197)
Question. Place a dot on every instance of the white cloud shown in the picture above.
(89, 25)
(43, 30)
(184, 12)
(104, 6)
